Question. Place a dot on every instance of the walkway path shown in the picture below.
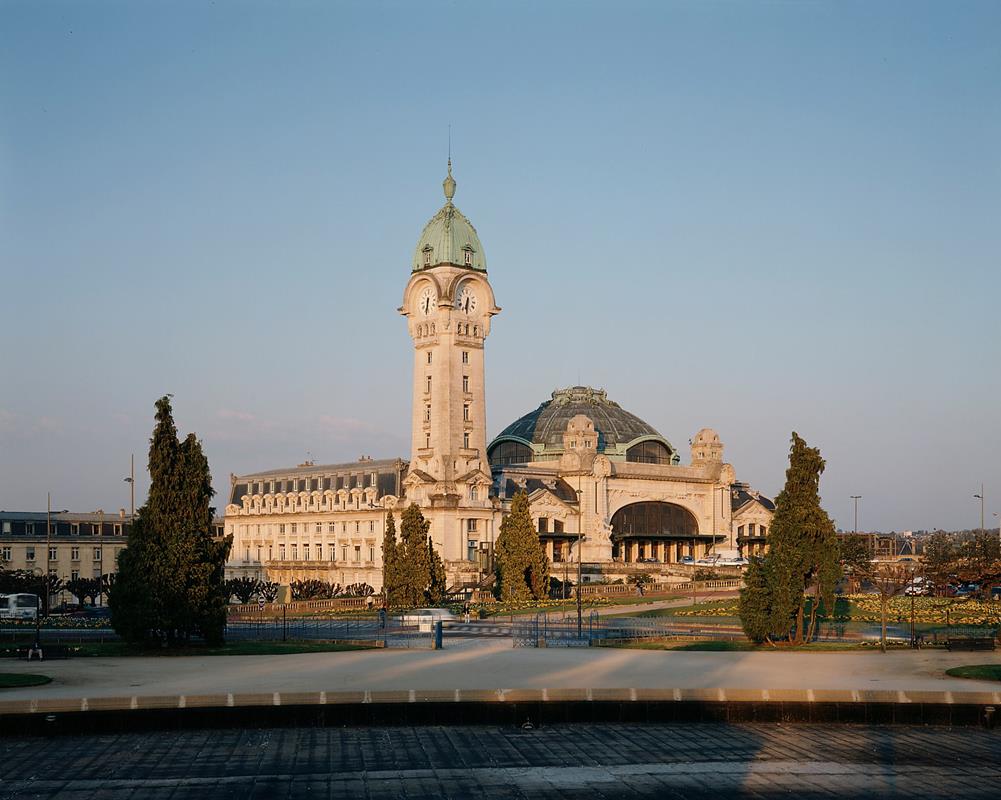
(494, 664)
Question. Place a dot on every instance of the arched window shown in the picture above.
(510, 453)
(654, 519)
(649, 452)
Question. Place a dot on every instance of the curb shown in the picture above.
(495, 706)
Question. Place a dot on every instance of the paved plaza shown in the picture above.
(492, 663)
(594, 762)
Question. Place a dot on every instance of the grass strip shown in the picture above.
(980, 672)
(13, 680)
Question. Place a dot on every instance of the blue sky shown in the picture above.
(759, 217)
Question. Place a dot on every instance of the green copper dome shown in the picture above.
(449, 238)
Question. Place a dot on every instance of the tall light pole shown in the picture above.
(131, 481)
(580, 539)
(856, 498)
(980, 497)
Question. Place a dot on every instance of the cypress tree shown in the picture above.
(170, 583)
(438, 582)
(412, 557)
(390, 562)
(803, 554)
(521, 564)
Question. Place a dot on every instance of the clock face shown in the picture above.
(427, 302)
(465, 300)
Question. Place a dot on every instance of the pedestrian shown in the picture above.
(465, 611)
(382, 617)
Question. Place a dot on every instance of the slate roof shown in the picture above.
(546, 424)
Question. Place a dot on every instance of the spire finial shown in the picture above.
(449, 183)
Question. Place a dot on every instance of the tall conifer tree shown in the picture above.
(412, 557)
(521, 564)
(802, 554)
(390, 562)
(170, 583)
(437, 580)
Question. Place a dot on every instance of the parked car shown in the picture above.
(425, 618)
(894, 633)
(648, 560)
(732, 562)
(967, 589)
(686, 560)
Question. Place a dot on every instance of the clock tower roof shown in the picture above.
(449, 238)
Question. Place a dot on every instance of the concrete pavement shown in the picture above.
(494, 664)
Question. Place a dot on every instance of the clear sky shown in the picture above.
(758, 217)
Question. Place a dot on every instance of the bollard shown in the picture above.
(437, 635)
(988, 720)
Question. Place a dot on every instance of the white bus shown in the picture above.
(18, 606)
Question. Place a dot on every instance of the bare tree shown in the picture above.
(889, 580)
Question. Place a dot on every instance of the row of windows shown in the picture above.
(753, 530)
(543, 525)
(314, 502)
(295, 527)
(465, 359)
(292, 552)
(6, 553)
(467, 255)
(428, 382)
(11, 528)
(335, 483)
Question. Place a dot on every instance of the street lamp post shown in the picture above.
(131, 481)
(856, 498)
(580, 539)
(980, 497)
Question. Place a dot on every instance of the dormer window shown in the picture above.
(467, 255)
(427, 255)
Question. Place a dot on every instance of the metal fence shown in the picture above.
(394, 633)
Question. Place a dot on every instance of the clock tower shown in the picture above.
(448, 303)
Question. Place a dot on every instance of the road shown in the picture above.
(594, 762)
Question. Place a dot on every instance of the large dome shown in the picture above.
(621, 435)
(449, 238)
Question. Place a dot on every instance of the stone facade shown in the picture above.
(605, 488)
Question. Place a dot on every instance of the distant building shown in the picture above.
(605, 488)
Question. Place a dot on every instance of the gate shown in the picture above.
(543, 630)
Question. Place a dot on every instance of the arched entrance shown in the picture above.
(652, 532)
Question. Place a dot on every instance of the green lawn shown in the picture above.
(717, 645)
(13, 680)
(982, 672)
(236, 649)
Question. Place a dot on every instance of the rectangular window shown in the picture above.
(333, 553)
(281, 552)
(29, 553)
(543, 525)
(474, 493)
(118, 529)
(344, 553)
(319, 527)
(429, 356)
(428, 390)
(471, 526)
(465, 412)
(5, 554)
(371, 553)
(97, 553)
(281, 528)
(371, 526)
(53, 554)
(74, 553)
(427, 441)
(293, 527)
(465, 383)
(465, 357)
(357, 527)
(358, 553)
(75, 528)
(295, 552)
(331, 526)
(29, 528)
(6, 527)
(305, 552)
(471, 550)
(465, 440)
(74, 575)
(427, 413)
